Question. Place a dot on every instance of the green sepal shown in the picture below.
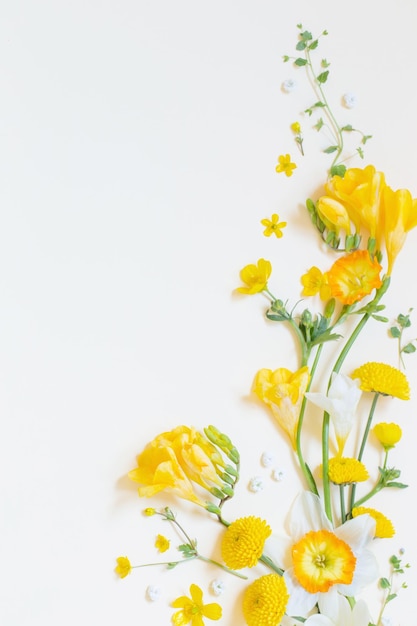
(212, 508)
(338, 170)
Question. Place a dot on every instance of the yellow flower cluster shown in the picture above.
(384, 379)
(265, 601)
(243, 542)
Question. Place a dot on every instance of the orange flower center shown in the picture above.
(321, 560)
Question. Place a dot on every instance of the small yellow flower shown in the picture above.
(285, 165)
(354, 276)
(123, 567)
(162, 543)
(388, 435)
(296, 127)
(149, 511)
(384, 528)
(273, 226)
(193, 610)
(344, 471)
(265, 601)
(314, 281)
(384, 379)
(255, 277)
(243, 542)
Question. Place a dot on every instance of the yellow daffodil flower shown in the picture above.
(255, 277)
(283, 391)
(273, 226)
(265, 601)
(388, 435)
(243, 542)
(193, 610)
(123, 567)
(399, 216)
(314, 281)
(354, 276)
(285, 165)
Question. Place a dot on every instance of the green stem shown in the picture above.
(342, 503)
(224, 567)
(373, 491)
(269, 563)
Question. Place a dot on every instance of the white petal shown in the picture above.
(360, 614)
(301, 602)
(278, 549)
(320, 400)
(366, 572)
(331, 604)
(357, 532)
(319, 620)
(307, 514)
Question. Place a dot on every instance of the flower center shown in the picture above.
(321, 560)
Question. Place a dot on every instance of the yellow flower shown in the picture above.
(273, 226)
(265, 601)
(296, 127)
(162, 543)
(322, 560)
(175, 460)
(344, 471)
(243, 542)
(255, 277)
(388, 435)
(354, 276)
(333, 214)
(283, 391)
(123, 567)
(314, 281)
(398, 217)
(384, 379)
(285, 165)
(149, 511)
(193, 610)
(384, 528)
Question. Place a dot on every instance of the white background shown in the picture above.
(138, 144)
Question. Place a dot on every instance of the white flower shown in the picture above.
(267, 459)
(278, 474)
(341, 403)
(341, 614)
(153, 593)
(256, 484)
(319, 561)
(217, 587)
(288, 85)
(350, 100)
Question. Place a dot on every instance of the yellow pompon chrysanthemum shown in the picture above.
(193, 610)
(345, 471)
(384, 379)
(243, 542)
(384, 528)
(354, 276)
(285, 165)
(265, 601)
(123, 567)
(162, 543)
(388, 435)
(255, 277)
(314, 281)
(273, 226)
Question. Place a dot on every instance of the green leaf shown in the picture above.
(390, 597)
(325, 63)
(409, 348)
(395, 332)
(285, 58)
(331, 149)
(384, 583)
(348, 128)
(404, 320)
(365, 138)
(313, 44)
(396, 485)
(301, 45)
(171, 565)
(380, 318)
(319, 125)
(306, 36)
(300, 62)
(360, 152)
(338, 170)
(321, 78)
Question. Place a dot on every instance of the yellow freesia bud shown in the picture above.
(398, 216)
(333, 214)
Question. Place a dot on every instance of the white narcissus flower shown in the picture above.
(340, 403)
(341, 614)
(321, 562)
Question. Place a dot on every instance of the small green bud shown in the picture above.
(329, 308)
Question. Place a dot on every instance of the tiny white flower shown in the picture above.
(387, 621)
(350, 100)
(278, 474)
(153, 593)
(288, 85)
(267, 459)
(217, 587)
(256, 484)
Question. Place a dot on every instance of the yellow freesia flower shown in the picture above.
(383, 378)
(285, 165)
(314, 281)
(193, 610)
(283, 391)
(162, 543)
(243, 542)
(333, 214)
(265, 601)
(384, 528)
(255, 277)
(354, 276)
(273, 226)
(398, 217)
(123, 567)
(388, 435)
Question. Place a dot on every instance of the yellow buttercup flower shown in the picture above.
(285, 165)
(265, 601)
(354, 276)
(344, 471)
(398, 217)
(384, 379)
(296, 127)
(243, 542)
(283, 391)
(384, 528)
(193, 610)
(149, 511)
(322, 560)
(273, 226)
(162, 543)
(314, 281)
(123, 567)
(255, 277)
(387, 434)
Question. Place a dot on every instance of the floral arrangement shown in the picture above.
(317, 574)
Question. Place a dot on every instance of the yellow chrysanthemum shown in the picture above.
(123, 567)
(273, 226)
(314, 281)
(255, 277)
(243, 542)
(384, 379)
(344, 471)
(384, 528)
(193, 610)
(265, 601)
(162, 543)
(285, 165)
(322, 560)
(387, 434)
(354, 276)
